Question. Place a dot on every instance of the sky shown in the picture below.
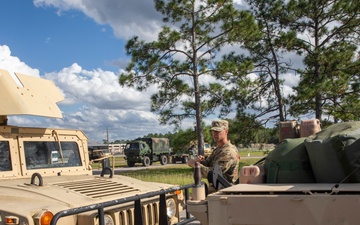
(80, 46)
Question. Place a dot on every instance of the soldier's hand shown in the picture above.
(200, 158)
(191, 163)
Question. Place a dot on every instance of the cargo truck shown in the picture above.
(147, 151)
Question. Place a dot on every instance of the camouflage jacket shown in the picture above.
(227, 158)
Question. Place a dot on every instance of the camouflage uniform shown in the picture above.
(227, 158)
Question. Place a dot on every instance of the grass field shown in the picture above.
(177, 174)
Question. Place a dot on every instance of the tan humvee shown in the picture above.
(207, 149)
(47, 170)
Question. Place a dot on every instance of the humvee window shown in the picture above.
(5, 160)
(42, 154)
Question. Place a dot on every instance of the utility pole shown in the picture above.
(107, 135)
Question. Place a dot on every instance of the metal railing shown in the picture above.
(137, 199)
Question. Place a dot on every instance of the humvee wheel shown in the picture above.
(130, 164)
(163, 160)
(146, 161)
(185, 159)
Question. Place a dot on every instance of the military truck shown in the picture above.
(183, 156)
(194, 144)
(147, 151)
(311, 180)
(46, 176)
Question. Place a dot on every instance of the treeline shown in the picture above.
(238, 135)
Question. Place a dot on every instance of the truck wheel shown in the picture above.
(185, 159)
(146, 161)
(130, 164)
(164, 160)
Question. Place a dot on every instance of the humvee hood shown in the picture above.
(73, 191)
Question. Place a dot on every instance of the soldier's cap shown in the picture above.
(219, 125)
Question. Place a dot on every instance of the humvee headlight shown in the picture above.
(43, 217)
(171, 207)
(108, 220)
(9, 220)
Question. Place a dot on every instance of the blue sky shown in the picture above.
(79, 45)
(48, 41)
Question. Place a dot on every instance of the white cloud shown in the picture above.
(126, 17)
(13, 64)
(98, 88)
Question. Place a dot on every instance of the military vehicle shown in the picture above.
(183, 156)
(190, 152)
(207, 149)
(46, 176)
(310, 180)
(147, 151)
(98, 151)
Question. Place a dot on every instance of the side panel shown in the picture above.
(160, 145)
(315, 209)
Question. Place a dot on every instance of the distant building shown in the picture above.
(117, 149)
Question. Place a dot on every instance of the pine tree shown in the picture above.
(185, 51)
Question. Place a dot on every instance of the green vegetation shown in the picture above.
(310, 45)
(177, 174)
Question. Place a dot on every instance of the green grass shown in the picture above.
(253, 153)
(177, 174)
(121, 162)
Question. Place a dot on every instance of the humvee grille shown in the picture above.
(150, 215)
(97, 188)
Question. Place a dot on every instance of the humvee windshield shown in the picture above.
(41, 154)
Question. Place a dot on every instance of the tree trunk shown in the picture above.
(199, 128)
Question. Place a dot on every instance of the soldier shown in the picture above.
(225, 154)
